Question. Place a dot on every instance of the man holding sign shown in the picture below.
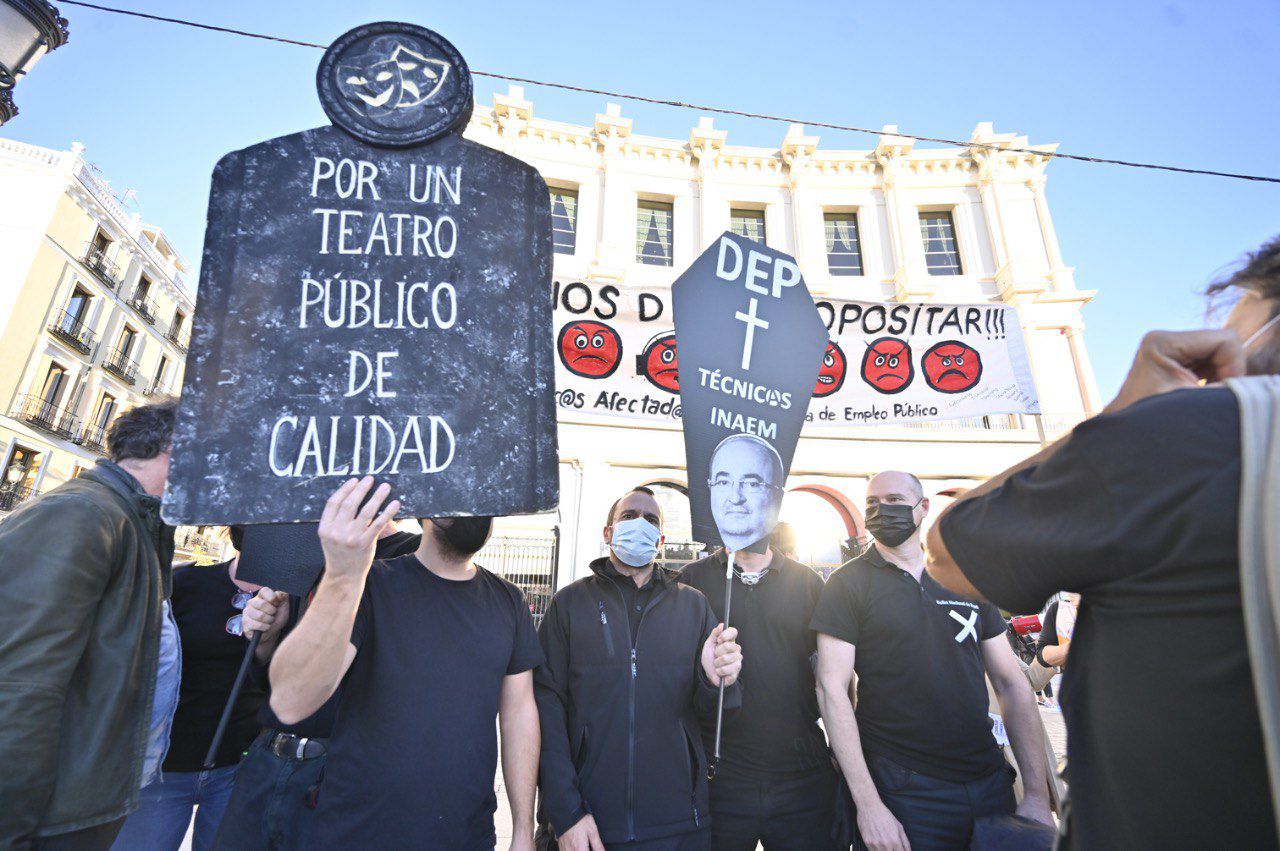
(634, 658)
(751, 343)
(429, 648)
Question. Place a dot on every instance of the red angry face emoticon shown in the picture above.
(831, 373)
(658, 363)
(887, 365)
(951, 367)
(589, 349)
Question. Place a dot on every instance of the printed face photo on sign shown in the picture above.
(746, 489)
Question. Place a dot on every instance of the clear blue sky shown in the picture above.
(1186, 83)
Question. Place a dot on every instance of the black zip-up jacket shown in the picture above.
(621, 733)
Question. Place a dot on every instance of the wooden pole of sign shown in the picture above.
(728, 602)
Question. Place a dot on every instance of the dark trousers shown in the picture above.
(939, 814)
(273, 799)
(698, 840)
(96, 838)
(792, 814)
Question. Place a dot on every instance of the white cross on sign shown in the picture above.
(752, 322)
(968, 627)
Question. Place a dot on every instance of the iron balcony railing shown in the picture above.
(179, 337)
(72, 331)
(42, 414)
(146, 307)
(119, 364)
(11, 496)
(157, 388)
(96, 259)
(93, 438)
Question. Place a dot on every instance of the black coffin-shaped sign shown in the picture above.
(372, 301)
(750, 343)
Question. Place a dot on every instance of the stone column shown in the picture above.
(1059, 274)
(797, 149)
(1084, 370)
(615, 251)
(705, 143)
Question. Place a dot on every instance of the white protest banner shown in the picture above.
(908, 362)
(887, 362)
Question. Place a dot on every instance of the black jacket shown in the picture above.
(83, 570)
(620, 724)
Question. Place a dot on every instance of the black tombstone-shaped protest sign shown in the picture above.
(372, 301)
(750, 343)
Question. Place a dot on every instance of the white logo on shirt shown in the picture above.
(968, 626)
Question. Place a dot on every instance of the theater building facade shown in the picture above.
(894, 222)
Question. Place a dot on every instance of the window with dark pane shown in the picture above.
(938, 233)
(654, 226)
(844, 248)
(748, 223)
(564, 220)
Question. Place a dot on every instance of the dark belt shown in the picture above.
(289, 746)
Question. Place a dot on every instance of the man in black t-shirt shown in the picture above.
(918, 753)
(278, 780)
(1138, 509)
(430, 650)
(775, 784)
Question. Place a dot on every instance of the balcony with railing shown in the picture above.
(106, 271)
(13, 495)
(119, 364)
(44, 415)
(179, 336)
(146, 307)
(155, 387)
(70, 330)
(93, 438)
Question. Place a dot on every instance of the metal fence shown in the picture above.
(527, 561)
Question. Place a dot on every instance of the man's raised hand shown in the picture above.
(349, 532)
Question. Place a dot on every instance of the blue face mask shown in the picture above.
(635, 541)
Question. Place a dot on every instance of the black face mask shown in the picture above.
(464, 535)
(891, 524)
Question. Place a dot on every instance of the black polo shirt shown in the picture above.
(775, 733)
(1139, 512)
(922, 697)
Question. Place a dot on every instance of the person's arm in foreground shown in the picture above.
(1166, 360)
(312, 660)
(52, 583)
(1022, 721)
(880, 830)
(521, 743)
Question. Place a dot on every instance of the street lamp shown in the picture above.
(28, 30)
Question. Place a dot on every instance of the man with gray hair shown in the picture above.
(746, 490)
(918, 754)
(88, 650)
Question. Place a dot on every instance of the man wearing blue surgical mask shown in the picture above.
(634, 659)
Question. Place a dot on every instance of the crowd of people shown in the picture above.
(856, 711)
